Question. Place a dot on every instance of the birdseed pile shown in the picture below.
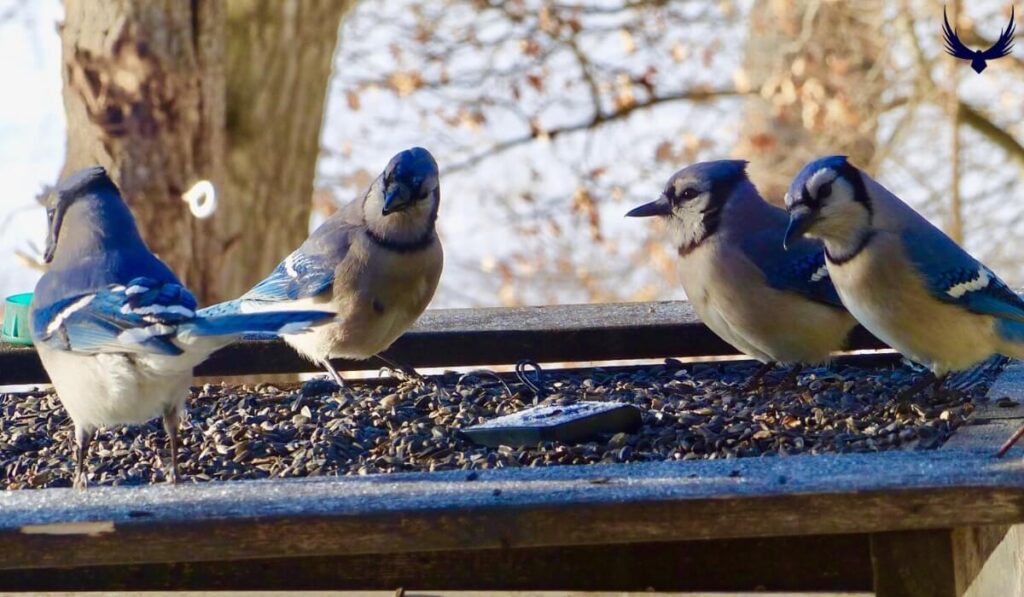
(692, 411)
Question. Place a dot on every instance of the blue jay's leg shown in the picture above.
(83, 437)
(757, 379)
(790, 380)
(171, 427)
(928, 379)
(326, 364)
(401, 369)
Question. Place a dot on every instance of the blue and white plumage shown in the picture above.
(376, 263)
(901, 277)
(774, 305)
(116, 331)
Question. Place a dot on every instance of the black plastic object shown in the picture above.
(564, 423)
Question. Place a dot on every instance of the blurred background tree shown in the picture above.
(164, 93)
(550, 119)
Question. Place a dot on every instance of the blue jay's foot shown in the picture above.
(756, 381)
(171, 427)
(401, 371)
(928, 379)
(82, 440)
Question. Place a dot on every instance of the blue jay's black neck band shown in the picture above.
(410, 246)
(846, 257)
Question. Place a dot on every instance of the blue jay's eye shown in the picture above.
(688, 194)
(824, 191)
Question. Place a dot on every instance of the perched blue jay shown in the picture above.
(907, 282)
(773, 305)
(114, 328)
(376, 263)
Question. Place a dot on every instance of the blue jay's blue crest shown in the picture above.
(410, 176)
(805, 190)
(89, 182)
(830, 190)
(694, 197)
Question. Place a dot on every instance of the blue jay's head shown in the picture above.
(88, 183)
(828, 200)
(410, 177)
(693, 199)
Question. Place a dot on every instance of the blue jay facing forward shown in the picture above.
(907, 282)
(773, 305)
(114, 328)
(376, 263)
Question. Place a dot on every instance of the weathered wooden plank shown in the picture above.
(520, 508)
(913, 564)
(989, 560)
(467, 337)
(992, 423)
(830, 563)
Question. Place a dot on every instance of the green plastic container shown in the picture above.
(16, 329)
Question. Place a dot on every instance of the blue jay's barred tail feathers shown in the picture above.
(281, 322)
(226, 308)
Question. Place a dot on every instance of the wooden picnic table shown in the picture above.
(936, 522)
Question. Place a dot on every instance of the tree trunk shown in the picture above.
(818, 68)
(164, 93)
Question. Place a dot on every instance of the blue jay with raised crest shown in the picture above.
(905, 281)
(774, 305)
(376, 263)
(116, 331)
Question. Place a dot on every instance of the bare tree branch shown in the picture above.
(599, 119)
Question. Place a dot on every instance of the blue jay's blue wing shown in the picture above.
(300, 275)
(953, 276)
(309, 270)
(140, 317)
(801, 269)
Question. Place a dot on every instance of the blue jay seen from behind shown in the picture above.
(902, 278)
(114, 328)
(773, 305)
(376, 263)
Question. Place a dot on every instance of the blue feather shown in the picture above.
(944, 267)
(301, 275)
(801, 269)
(252, 323)
(107, 321)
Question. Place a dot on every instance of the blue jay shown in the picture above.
(376, 263)
(902, 278)
(773, 305)
(114, 328)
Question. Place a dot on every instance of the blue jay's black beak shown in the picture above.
(397, 197)
(800, 221)
(56, 218)
(661, 207)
